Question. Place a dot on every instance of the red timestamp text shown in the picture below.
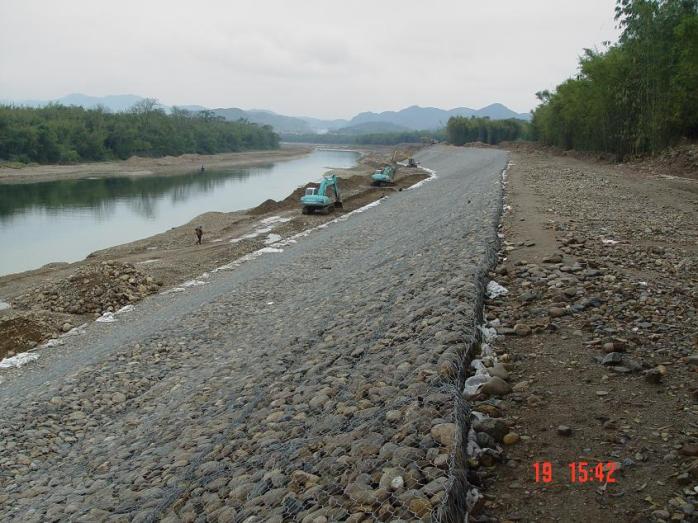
(577, 472)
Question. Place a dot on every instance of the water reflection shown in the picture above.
(99, 194)
(66, 220)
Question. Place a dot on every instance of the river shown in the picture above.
(64, 221)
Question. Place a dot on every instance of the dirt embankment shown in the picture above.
(53, 299)
(678, 161)
(137, 166)
(597, 345)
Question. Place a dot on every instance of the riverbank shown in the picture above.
(138, 166)
(315, 384)
(44, 308)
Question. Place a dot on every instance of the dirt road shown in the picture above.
(321, 383)
(599, 340)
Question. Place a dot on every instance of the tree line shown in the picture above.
(392, 138)
(638, 95)
(60, 134)
(461, 130)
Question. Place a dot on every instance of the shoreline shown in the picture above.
(139, 166)
(171, 257)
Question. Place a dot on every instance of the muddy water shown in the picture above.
(66, 220)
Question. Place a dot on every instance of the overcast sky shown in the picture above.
(324, 58)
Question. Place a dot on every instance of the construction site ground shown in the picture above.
(599, 335)
(173, 257)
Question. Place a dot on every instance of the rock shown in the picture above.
(529, 296)
(301, 480)
(118, 397)
(444, 433)
(511, 438)
(693, 469)
(402, 456)
(521, 386)
(420, 507)
(521, 329)
(612, 358)
(654, 376)
(553, 258)
(393, 415)
(495, 427)
(496, 387)
(484, 440)
(66, 327)
(570, 292)
(556, 312)
(490, 410)
(683, 479)
(392, 479)
(661, 514)
(689, 449)
(499, 371)
(318, 401)
(564, 430)
(226, 515)
(361, 493)
(435, 486)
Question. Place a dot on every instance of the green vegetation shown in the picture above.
(461, 130)
(60, 134)
(639, 95)
(367, 139)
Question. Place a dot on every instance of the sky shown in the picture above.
(328, 59)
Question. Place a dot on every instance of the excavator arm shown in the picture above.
(320, 199)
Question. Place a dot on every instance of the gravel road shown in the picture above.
(316, 384)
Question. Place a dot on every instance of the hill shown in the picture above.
(372, 127)
(280, 123)
(416, 117)
(410, 118)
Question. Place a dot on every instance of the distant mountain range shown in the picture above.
(416, 117)
(411, 118)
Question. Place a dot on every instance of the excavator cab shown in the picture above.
(318, 199)
(386, 175)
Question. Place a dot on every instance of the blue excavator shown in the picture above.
(318, 199)
(386, 175)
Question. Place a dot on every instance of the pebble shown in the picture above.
(499, 371)
(564, 430)
(496, 386)
(511, 438)
(521, 329)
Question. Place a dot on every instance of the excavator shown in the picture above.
(386, 175)
(316, 198)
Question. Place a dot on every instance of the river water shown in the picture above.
(67, 220)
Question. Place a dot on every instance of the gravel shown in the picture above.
(317, 384)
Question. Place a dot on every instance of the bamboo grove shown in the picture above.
(461, 130)
(638, 96)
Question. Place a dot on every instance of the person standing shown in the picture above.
(199, 234)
